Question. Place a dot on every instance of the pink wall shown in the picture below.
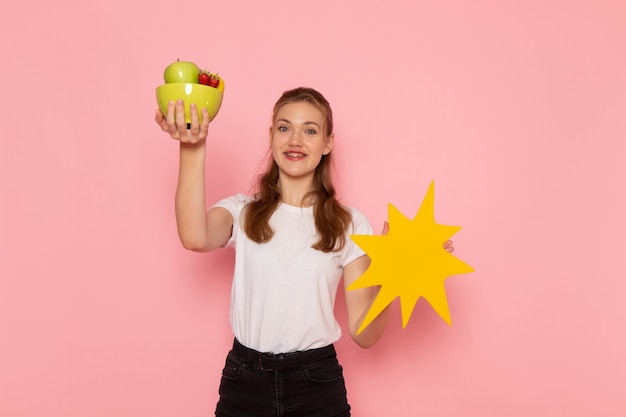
(515, 108)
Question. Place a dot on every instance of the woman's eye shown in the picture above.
(311, 132)
(282, 128)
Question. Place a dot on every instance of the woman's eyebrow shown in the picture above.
(304, 123)
(312, 123)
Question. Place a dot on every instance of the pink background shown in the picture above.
(515, 108)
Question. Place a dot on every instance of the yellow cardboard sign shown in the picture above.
(410, 262)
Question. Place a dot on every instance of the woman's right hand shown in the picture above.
(176, 125)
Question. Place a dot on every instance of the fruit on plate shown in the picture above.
(184, 80)
(181, 72)
(214, 80)
(211, 79)
(204, 78)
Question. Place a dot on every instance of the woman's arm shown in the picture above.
(358, 303)
(198, 229)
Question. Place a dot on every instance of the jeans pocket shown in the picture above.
(232, 368)
(324, 371)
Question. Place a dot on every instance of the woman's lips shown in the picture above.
(294, 155)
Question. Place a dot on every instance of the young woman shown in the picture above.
(292, 245)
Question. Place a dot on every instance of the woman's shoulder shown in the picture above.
(234, 203)
(360, 222)
(352, 210)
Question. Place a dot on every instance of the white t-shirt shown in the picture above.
(283, 292)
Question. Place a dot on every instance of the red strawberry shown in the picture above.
(204, 78)
(214, 80)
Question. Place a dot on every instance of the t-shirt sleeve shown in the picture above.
(235, 205)
(360, 226)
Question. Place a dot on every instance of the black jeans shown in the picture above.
(299, 384)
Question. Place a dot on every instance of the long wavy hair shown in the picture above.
(331, 218)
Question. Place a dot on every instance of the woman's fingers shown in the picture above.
(204, 126)
(194, 126)
(180, 122)
(160, 120)
(195, 131)
(176, 125)
(385, 229)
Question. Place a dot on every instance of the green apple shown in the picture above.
(181, 72)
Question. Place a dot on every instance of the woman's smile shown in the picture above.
(294, 156)
(297, 136)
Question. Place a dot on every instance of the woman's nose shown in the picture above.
(295, 139)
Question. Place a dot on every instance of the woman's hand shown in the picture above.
(177, 127)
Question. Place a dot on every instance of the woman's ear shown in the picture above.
(269, 134)
(330, 143)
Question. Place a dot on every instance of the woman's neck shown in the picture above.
(294, 190)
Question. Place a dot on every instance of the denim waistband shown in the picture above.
(282, 361)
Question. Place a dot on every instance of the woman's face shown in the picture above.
(297, 139)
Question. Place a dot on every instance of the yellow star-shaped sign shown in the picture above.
(410, 262)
